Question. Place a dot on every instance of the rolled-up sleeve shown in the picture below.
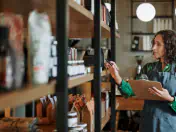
(126, 89)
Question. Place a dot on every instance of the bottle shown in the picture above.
(41, 39)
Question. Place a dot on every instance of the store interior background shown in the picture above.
(125, 58)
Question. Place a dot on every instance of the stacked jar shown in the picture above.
(75, 67)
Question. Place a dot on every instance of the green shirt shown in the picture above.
(127, 91)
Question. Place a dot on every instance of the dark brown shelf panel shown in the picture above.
(139, 33)
(165, 17)
(165, 1)
(141, 51)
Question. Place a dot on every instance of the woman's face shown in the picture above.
(158, 47)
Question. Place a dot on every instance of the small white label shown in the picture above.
(54, 50)
(54, 71)
(55, 60)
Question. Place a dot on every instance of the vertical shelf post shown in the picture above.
(173, 14)
(113, 56)
(97, 74)
(62, 79)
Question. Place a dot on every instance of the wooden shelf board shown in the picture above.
(105, 119)
(106, 30)
(82, 23)
(137, 33)
(165, 1)
(25, 95)
(74, 81)
(135, 17)
(142, 51)
(30, 93)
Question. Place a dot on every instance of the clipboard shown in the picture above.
(140, 89)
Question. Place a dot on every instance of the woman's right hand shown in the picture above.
(114, 71)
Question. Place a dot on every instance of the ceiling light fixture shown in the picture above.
(145, 12)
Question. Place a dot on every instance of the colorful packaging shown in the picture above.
(40, 45)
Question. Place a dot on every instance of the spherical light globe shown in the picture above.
(145, 12)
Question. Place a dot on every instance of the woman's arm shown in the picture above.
(123, 86)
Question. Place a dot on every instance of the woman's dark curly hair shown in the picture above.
(169, 38)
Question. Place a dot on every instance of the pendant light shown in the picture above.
(145, 12)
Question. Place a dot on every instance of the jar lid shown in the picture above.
(83, 125)
(4, 32)
(72, 113)
(77, 128)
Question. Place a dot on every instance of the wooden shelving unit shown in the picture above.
(29, 93)
(82, 23)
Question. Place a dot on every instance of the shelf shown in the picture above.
(105, 119)
(153, 1)
(141, 51)
(139, 33)
(75, 81)
(165, 17)
(26, 95)
(82, 23)
(30, 93)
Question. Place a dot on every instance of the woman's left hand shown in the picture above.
(161, 93)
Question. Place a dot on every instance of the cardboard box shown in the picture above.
(88, 115)
(103, 105)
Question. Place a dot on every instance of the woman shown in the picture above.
(157, 116)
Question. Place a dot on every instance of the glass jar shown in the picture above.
(72, 119)
(84, 126)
